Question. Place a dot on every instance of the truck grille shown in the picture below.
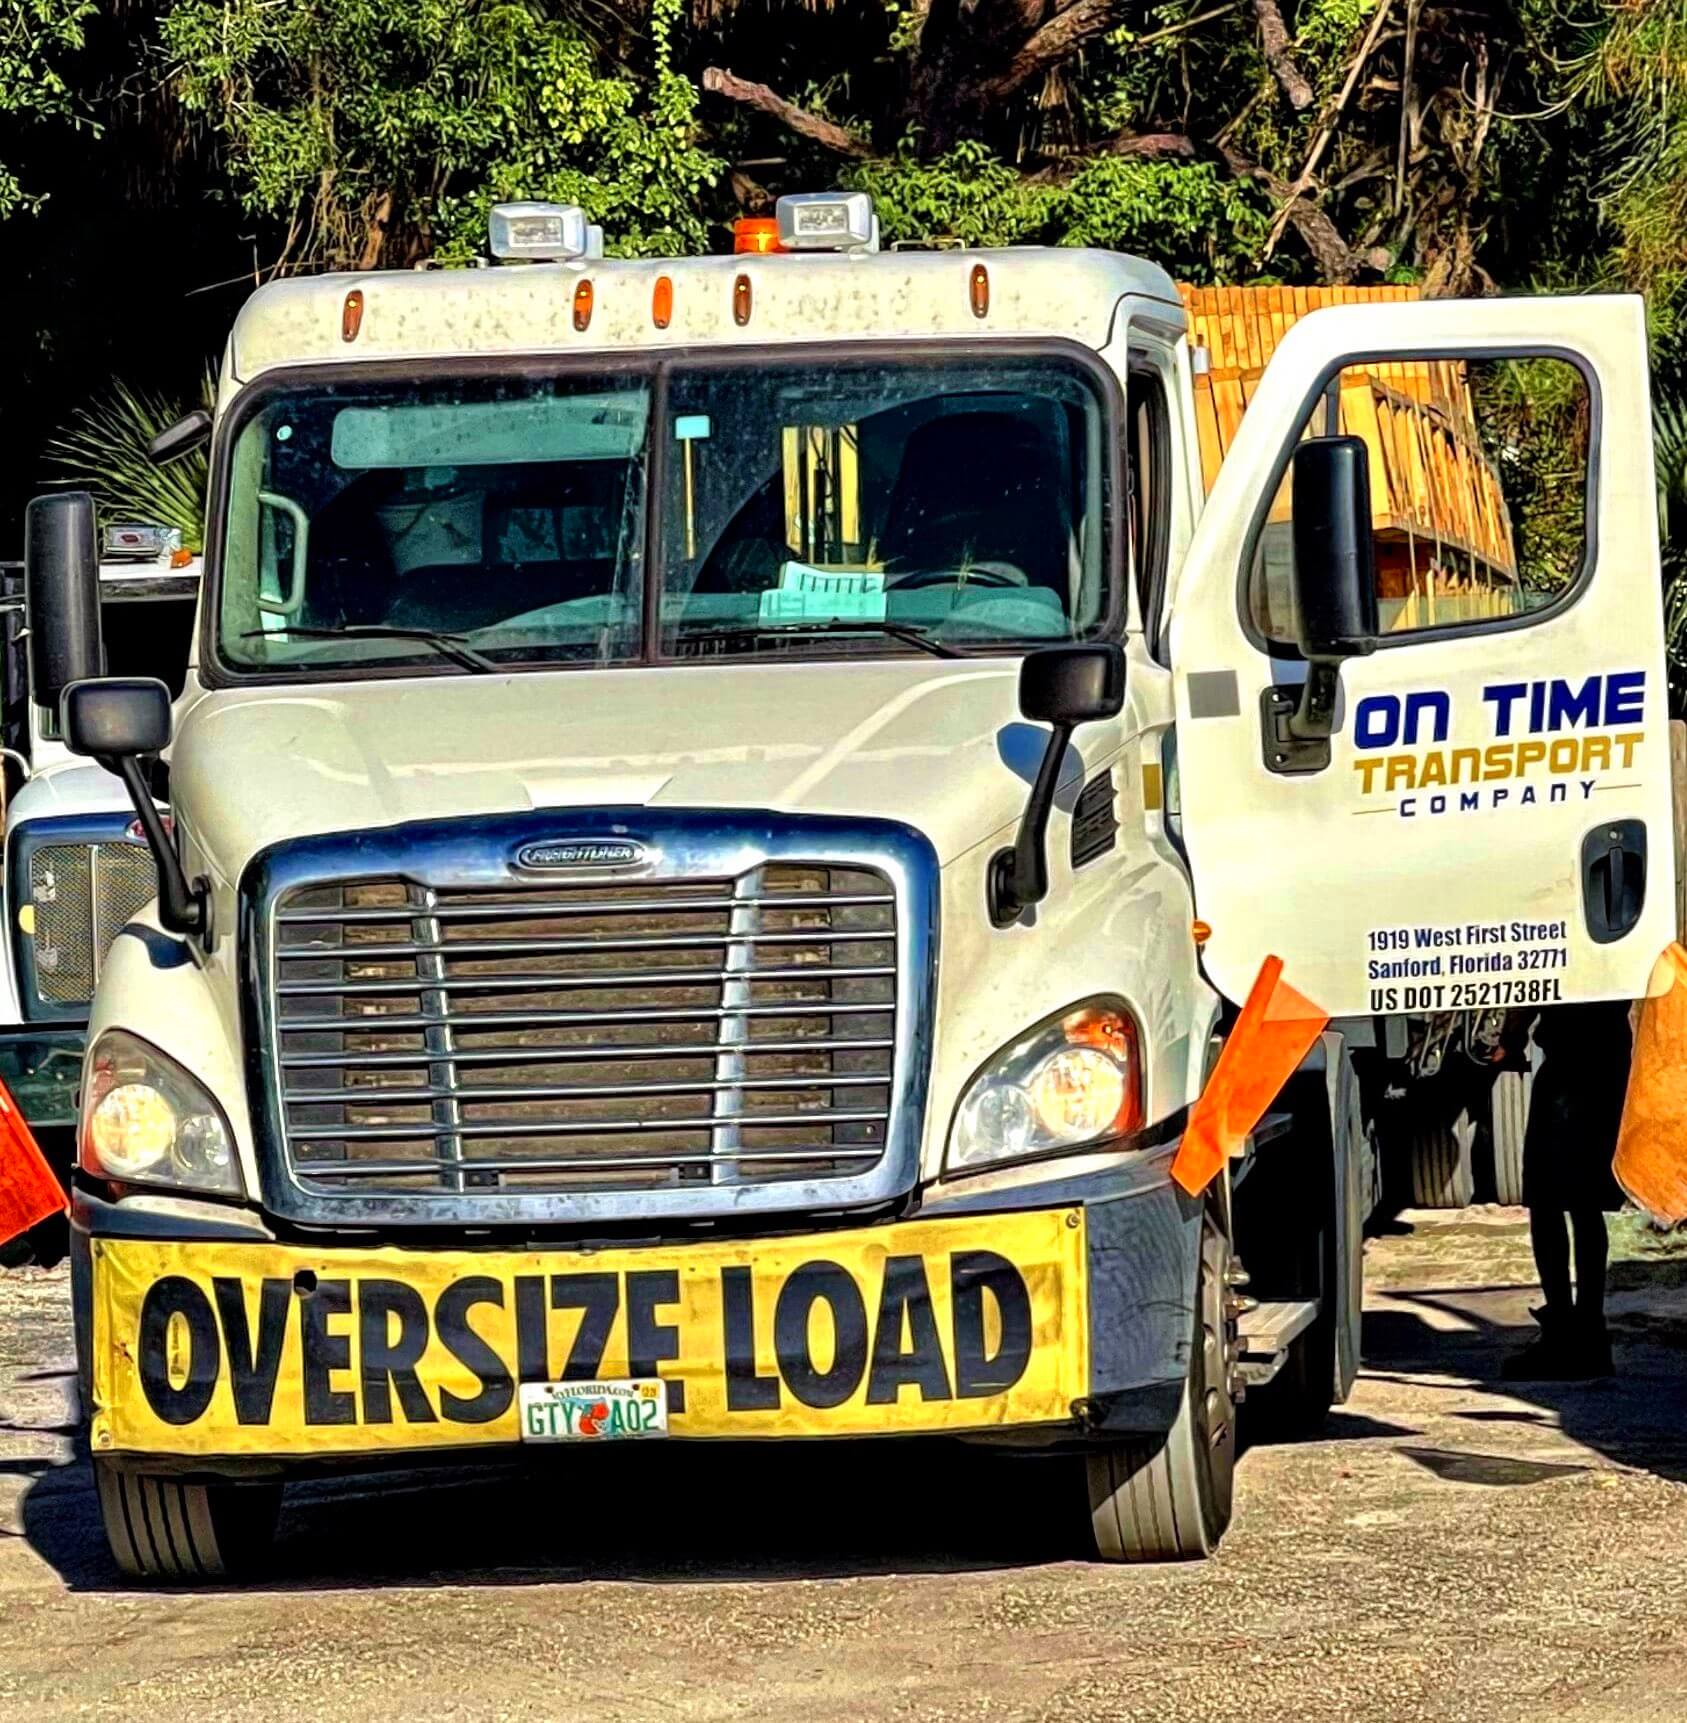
(573, 1037)
(81, 895)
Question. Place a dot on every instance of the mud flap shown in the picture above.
(1349, 1159)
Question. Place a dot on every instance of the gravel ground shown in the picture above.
(1448, 1550)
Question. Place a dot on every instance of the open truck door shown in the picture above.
(1422, 726)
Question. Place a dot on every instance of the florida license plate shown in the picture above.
(593, 1411)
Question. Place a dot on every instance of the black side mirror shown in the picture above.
(61, 594)
(1063, 686)
(116, 715)
(178, 439)
(1335, 587)
(116, 720)
(1335, 550)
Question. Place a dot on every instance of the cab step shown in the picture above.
(1265, 1333)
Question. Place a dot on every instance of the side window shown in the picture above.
(1479, 491)
(1148, 482)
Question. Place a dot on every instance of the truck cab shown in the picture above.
(724, 809)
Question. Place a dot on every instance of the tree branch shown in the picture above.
(1335, 258)
(1303, 180)
(1049, 45)
(827, 133)
(1274, 40)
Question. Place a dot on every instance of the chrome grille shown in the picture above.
(81, 895)
(573, 1037)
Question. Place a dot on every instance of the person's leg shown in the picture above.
(1551, 1354)
(1549, 1235)
(1592, 1253)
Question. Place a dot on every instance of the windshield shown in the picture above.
(863, 505)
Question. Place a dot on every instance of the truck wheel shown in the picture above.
(1169, 1499)
(1439, 1155)
(1511, 1115)
(161, 1529)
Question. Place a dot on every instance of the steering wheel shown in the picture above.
(978, 574)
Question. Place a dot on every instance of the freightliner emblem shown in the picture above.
(556, 853)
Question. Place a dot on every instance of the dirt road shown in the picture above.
(1448, 1550)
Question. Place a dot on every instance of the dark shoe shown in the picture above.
(1593, 1352)
(1549, 1359)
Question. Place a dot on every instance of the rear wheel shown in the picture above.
(159, 1528)
(1169, 1499)
(1511, 1114)
(1439, 1155)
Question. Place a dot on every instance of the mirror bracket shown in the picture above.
(1019, 875)
(183, 907)
(1296, 722)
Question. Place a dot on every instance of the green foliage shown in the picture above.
(103, 450)
(1185, 215)
(344, 118)
(38, 39)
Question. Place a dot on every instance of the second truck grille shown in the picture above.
(583, 1036)
(81, 895)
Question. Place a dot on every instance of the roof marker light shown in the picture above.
(827, 221)
(539, 232)
(351, 315)
(662, 301)
(758, 233)
(741, 301)
(583, 306)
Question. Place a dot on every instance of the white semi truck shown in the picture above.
(723, 808)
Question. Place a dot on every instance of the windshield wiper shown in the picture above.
(450, 646)
(809, 630)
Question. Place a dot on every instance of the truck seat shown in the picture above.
(981, 487)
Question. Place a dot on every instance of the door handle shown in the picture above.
(1613, 878)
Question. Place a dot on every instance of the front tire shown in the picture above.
(162, 1529)
(1170, 1499)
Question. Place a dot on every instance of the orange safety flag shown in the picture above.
(29, 1192)
(1651, 1158)
(1273, 1034)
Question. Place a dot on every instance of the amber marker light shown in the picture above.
(741, 301)
(978, 290)
(756, 233)
(583, 306)
(351, 315)
(662, 302)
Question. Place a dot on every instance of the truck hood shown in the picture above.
(939, 745)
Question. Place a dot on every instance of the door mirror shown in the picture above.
(1063, 686)
(1335, 587)
(117, 719)
(1335, 556)
(116, 715)
(1072, 685)
(179, 439)
(61, 594)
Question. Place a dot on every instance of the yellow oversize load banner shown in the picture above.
(271, 1349)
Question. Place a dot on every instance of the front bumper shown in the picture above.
(1042, 1314)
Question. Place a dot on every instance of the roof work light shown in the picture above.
(541, 233)
(827, 221)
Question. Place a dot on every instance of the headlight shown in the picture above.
(1074, 1080)
(146, 1121)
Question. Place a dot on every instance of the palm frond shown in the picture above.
(102, 449)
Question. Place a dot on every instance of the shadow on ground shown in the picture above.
(1633, 1419)
(675, 1514)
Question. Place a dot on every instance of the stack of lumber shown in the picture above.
(1445, 548)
